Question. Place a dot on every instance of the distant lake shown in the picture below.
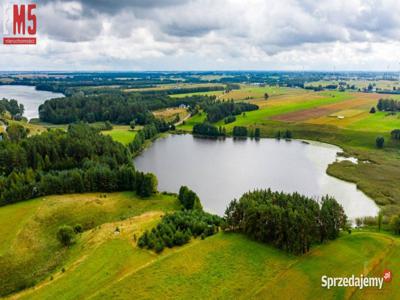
(28, 96)
(221, 170)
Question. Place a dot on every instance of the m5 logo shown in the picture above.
(19, 24)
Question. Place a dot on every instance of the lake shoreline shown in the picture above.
(275, 186)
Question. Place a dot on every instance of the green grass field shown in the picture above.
(121, 133)
(380, 122)
(29, 248)
(105, 265)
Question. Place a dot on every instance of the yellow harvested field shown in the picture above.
(169, 114)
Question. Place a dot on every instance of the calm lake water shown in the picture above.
(28, 96)
(221, 170)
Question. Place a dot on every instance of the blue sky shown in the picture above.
(211, 35)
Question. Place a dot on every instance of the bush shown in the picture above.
(108, 125)
(372, 110)
(159, 246)
(229, 119)
(78, 228)
(65, 235)
(189, 199)
(380, 141)
(146, 184)
(395, 134)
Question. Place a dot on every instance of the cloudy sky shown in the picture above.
(211, 35)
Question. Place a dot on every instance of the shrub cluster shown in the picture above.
(395, 134)
(229, 119)
(178, 228)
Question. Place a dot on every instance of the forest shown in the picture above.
(291, 222)
(116, 107)
(12, 106)
(57, 162)
(218, 110)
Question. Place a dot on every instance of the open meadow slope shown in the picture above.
(105, 263)
(29, 248)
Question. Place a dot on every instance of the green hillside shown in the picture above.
(105, 264)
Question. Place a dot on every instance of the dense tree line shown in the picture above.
(12, 106)
(286, 134)
(209, 130)
(388, 105)
(148, 132)
(117, 107)
(76, 161)
(178, 228)
(59, 150)
(291, 222)
(219, 110)
(239, 132)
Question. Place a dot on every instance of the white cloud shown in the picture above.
(206, 34)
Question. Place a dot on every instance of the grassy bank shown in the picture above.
(29, 248)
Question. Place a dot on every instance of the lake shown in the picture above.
(221, 170)
(28, 96)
